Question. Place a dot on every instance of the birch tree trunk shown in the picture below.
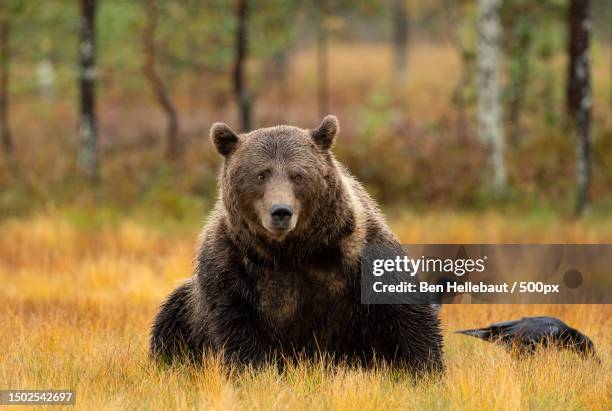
(579, 101)
(241, 91)
(45, 75)
(88, 144)
(5, 59)
(489, 107)
(173, 143)
(400, 40)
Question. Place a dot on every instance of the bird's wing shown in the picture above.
(498, 331)
(537, 329)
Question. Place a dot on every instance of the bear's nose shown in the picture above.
(281, 214)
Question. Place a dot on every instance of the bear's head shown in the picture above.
(276, 180)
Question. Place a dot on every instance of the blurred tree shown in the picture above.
(602, 16)
(489, 108)
(400, 22)
(519, 17)
(464, 91)
(274, 26)
(174, 147)
(280, 71)
(55, 26)
(579, 95)
(322, 58)
(577, 42)
(11, 12)
(205, 43)
(544, 82)
(88, 149)
(5, 57)
(241, 92)
(528, 49)
(321, 12)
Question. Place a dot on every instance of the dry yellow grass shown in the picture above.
(77, 304)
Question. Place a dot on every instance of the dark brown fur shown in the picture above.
(255, 295)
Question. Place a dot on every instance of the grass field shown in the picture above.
(77, 302)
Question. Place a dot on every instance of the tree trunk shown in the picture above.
(174, 148)
(573, 52)
(400, 40)
(452, 12)
(241, 91)
(519, 76)
(45, 75)
(489, 107)
(281, 64)
(579, 96)
(88, 146)
(5, 57)
(322, 61)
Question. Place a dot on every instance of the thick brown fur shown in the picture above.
(256, 296)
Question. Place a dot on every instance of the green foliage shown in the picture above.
(531, 37)
(15, 11)
(45, 30)
(401, 164)
(273, 26)
(118, 23)
(205, 39)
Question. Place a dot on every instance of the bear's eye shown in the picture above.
(261, 177)
(297, 178)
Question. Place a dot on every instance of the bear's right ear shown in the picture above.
(224, 138)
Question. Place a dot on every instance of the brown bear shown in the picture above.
(277, 273)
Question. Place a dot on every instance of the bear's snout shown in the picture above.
(281, 215)
(278, 209)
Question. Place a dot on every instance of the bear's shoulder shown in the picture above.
(369, 222)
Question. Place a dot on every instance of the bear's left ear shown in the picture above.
(326, 132)
(224, 138)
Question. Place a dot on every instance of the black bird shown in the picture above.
(525, 335)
